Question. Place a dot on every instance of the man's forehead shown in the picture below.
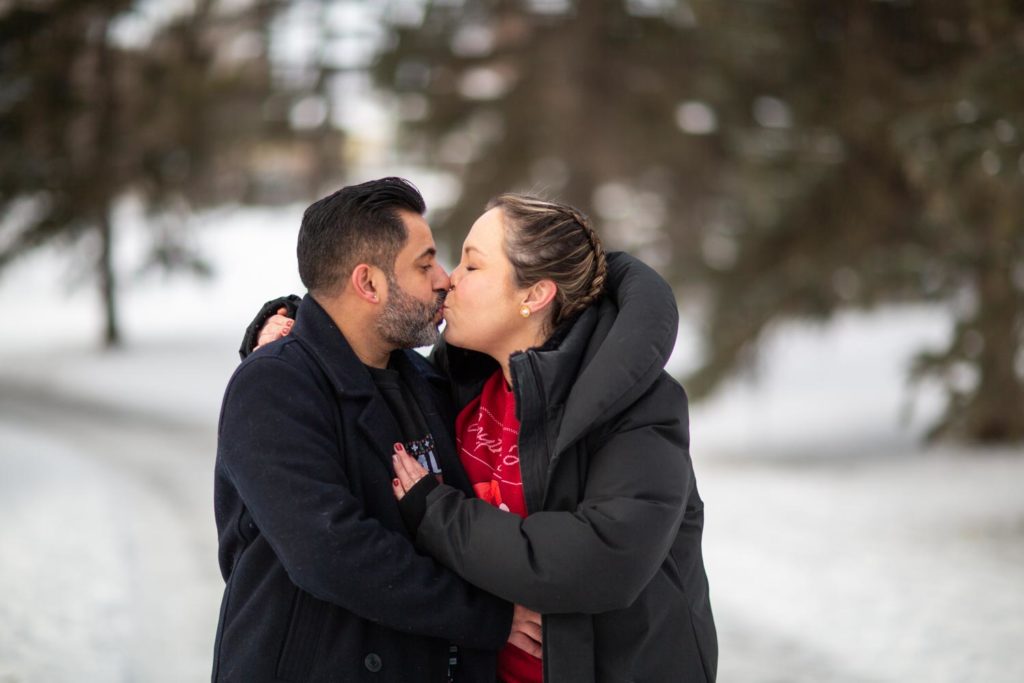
(420, 240)
(428, 252)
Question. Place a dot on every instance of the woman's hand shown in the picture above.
(276, 327)
(526, 631)
(407, 470)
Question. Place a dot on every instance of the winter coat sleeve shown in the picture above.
(252, 333)
(278, 445)
(601, 555)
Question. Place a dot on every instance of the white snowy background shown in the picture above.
(838, 548)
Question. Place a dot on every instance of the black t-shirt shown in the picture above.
(418, 441)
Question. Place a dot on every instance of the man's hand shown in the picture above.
(526, 631)
(276, 327)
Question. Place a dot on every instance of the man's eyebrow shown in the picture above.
(429, 251)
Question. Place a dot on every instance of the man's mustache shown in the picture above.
(440, 301)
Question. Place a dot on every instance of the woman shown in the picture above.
(576, 443)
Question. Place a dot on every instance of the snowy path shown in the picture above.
(898, 567)
(109, 568)
(884, 569)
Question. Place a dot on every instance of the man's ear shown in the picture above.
(540, 295)
(367, 282)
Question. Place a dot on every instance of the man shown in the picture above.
(323, 582)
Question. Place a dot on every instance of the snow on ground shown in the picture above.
(894, 568)
(835, 389)
(837, 549)
(60, 526)
(108, 571)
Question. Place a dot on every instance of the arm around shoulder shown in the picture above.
(250, 339)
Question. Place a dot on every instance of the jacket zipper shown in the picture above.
(537, 444)
(539, 418)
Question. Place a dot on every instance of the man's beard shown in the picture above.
(407, 322)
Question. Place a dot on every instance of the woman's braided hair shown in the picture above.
(551, 241)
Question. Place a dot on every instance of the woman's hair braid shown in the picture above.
(599, 269)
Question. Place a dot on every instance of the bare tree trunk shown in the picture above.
(324, 158)
(995, 413)
(108, 281)
(105, 160)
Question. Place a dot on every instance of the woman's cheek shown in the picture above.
(452, 328)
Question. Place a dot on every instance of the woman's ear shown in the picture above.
(540, 295)
(366, 282)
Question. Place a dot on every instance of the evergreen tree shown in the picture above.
(781, 159)
(877, 153)
(580, 103)
(181, 118)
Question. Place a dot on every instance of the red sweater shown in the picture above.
(487, 436)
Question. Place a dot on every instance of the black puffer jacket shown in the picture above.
(610, 553)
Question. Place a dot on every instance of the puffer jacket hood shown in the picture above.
(625, 341)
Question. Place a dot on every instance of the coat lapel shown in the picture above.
(352, 382)
(348, 376)
(380, 428)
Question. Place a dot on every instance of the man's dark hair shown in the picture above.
(357, 224)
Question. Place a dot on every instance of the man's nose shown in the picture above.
(443, 282)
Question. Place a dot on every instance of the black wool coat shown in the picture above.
(610, 552)
(322, 580)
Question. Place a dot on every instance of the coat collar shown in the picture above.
(351, 381)
(318, 333)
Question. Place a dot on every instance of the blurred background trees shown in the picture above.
(580, 101)
(177, 105)
(775, 159)
(881, 159)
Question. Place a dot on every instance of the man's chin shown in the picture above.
(434, 336)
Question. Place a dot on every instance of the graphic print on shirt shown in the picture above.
(423, 451)
(487, 436)
(496, 446)
(416, 437)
